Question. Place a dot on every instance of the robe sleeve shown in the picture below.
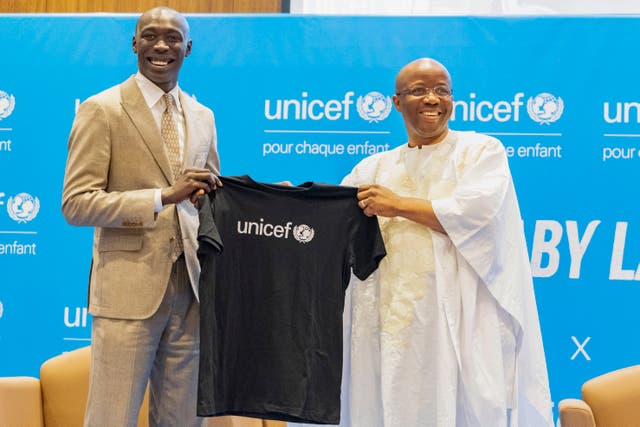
(364, 172)
(473, 215)
(482, 219)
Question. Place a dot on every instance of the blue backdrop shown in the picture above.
(305, 98)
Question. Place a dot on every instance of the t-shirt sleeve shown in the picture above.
(367, 246)
(208, 235)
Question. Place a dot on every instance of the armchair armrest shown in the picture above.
(64, 380)
(20, 402)
(575, 413)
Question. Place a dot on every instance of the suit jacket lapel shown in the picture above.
(136, 108)
(193, 133)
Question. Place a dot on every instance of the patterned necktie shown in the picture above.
(169, 134)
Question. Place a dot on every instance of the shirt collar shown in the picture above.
(153, 93)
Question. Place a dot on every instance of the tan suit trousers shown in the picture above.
(162, 349)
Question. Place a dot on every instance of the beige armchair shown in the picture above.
(612, 399)
(58, 398)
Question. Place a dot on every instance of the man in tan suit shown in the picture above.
(137, 162)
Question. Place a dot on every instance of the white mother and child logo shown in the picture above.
(23, 207)
(374, 106)
(545, 108)
(7, 104)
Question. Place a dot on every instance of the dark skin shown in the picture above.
(426, 120)
(161, 43)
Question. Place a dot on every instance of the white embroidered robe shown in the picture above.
(446, 332)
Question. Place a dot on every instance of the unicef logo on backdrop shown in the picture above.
(7, 102)
(374, 106)
(303, 233)
(1, 309)
(23, 207)
(545, 108)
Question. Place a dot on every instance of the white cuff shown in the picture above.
(157, 200)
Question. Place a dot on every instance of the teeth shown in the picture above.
(430, 113)
(159, 62)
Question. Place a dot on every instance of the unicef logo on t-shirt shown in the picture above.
(303, 233)
(7, 102)
(374, 106)
(545, 108)
(23, 207)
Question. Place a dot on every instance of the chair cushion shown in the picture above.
(20, 403)
(614, 397)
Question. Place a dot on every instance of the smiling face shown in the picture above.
(421, 98)
(161, 42)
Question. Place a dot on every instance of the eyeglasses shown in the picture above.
(419, 92)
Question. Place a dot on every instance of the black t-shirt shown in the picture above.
(276, 261)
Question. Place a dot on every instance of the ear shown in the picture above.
(188, 51)
(134, 47)
(396, 102)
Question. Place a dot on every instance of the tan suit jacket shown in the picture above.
(116, 160)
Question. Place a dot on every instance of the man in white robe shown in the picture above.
(446, 332)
